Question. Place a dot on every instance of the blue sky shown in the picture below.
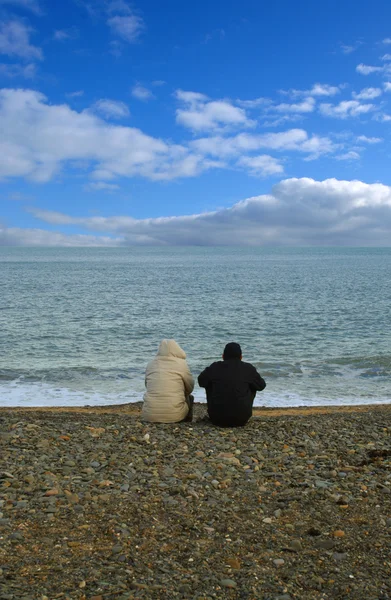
(195, 123)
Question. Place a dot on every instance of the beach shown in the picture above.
(95, 504)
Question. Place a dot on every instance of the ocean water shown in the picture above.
(78, 325)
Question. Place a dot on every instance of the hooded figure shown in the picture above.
(231, 385)
(169, 383)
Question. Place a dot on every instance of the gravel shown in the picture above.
(96, 504)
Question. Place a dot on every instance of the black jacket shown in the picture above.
(230, 386)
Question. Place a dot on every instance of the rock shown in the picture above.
(53, 492)
(339, 556)
(295, 545)
(322, 484)
(326, 544)
(228, 583)
(278, 562)
(234, 563)
(139, 586)
(72, 498)
(338, 533)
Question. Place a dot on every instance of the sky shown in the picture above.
(195, 123)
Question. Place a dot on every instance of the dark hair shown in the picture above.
(232, 350)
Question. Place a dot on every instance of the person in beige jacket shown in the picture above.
(169, 384)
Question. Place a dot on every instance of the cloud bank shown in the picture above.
(297, 212)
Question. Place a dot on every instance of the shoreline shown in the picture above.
(134, 408)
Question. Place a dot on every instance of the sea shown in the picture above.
(79, 325)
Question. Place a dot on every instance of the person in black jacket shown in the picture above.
(231, 385)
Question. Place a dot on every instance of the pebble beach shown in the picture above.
(95, 504)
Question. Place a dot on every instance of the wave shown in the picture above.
(22, 394)
(347, 366)
(66, 374)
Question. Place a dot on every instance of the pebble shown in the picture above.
(279, 562)
(338, 556)
(228, 583)
(113, 513)
(327, 544)
(296, 545)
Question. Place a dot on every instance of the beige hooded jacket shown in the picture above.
(168, 381)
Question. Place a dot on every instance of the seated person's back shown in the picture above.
(231, 386)
(169, 384)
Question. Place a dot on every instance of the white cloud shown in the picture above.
(369, 140)
(15, 236)
(290, 140)
(387, 41)
(318, 89)
(349, 48)
(28, 71)
(76, 94)
(322, 89)
(111, 109)
(306, 106)
(387, 86)
(120, 17)
(345, 109)
(15, 41)
(38, 139)
(191, 97)
(274, 121)
(297, 212)
(141, 93)
(260, 166)
(62, 35)
(118, 6)
(367, 69)
(382, 117)
(129, 28)
(202, 114)
(99, 186)
(256, 103)
(386, 57)
(351, 155)
(368, 93)
(32, 5)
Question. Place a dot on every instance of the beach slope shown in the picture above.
(96, 504)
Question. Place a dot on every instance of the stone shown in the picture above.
(228, 583)
(295, 545)
(338, 533)
(53, 492)
(234, 563)
(278, 562)
(339, 556)
(325, 544)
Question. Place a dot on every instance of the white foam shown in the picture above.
(20, 394)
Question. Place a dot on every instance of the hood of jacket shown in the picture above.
(171, 348)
